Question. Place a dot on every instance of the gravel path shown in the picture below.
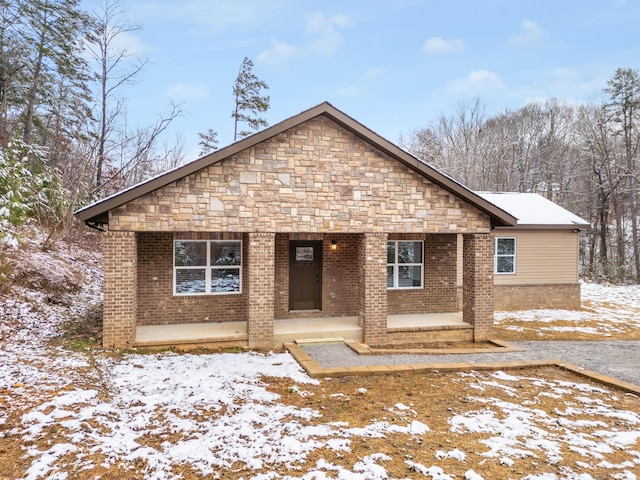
(618, 359)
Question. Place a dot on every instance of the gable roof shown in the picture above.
(98, 211)
(533, 210)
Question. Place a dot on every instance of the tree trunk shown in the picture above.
(32, 96)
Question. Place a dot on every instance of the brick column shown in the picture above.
(120, 289)
(477, 297)
(372, 315)
(261, 275)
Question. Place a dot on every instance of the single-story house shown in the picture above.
(536, 261)
(314, 221)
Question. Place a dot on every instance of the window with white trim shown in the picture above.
(404, 264)
(505, 255)
(207, 267)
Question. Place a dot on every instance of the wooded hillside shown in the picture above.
(65, 141)
(584, 157)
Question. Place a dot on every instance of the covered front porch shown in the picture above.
(424, 328)
(355, 294)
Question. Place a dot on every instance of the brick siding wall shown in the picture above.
(261, 273)
(120, 289)
(372, 314)
(439, 293)
(524, 297)
(477, 308)
(156, 303)
(340, 279)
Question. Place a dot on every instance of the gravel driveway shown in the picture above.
(618, 359)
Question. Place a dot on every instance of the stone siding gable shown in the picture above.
(315, 177)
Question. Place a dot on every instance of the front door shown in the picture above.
(305, 275)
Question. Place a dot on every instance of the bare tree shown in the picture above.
(116, 68)
(122, 156)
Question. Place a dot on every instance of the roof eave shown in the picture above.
(538, 226)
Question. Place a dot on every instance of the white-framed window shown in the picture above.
(404, 264)
(207, 267)
(505, 255)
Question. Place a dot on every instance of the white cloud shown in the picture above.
(362, 84)
(185, 90)
(530, 34)
(565, 74)
(438, 45)
(478, 81)
(278, 55)
(324, 38)
(129, 43)
(216, 15)
(349, 91)
(374, 73)
(326, 31)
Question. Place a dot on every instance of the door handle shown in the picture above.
(317, 278)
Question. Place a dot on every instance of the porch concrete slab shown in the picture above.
(344, 328)
(293, 329)
(425, 320)
(189, 332)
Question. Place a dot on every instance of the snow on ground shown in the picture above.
(155, 410)
(607, 310)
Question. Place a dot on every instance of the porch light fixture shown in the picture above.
(334, 245)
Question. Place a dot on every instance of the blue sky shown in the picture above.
(394, 65)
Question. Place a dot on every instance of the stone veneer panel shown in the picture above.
(316, 177)
(120, 289)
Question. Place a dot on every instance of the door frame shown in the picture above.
(315, 272)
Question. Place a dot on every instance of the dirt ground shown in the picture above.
(360, 401)
(514, 329)
(432, 398)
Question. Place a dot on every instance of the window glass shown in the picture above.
(409, 252)
(226, 253)
(505, 255)
(191, 280)
(225, 280)
(391, 252)
(405, 265)
(207, 267)
(390, 276)
(506, 246)
(505, 265)
(304, 254)
(409, 277)
(191, 254)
